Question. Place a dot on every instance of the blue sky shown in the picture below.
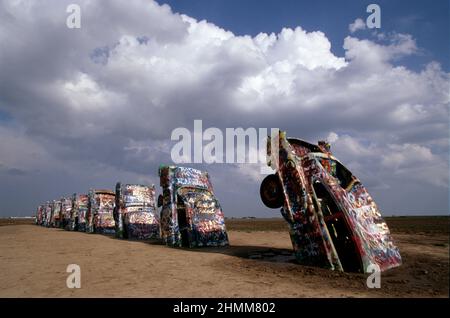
(85, 108)
(427, 21)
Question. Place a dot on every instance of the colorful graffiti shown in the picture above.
(66, 211)
(334, 223)
(136, 214)
(39, 218)
(55, 214)
(78, 213)
(47, 214)
(191, 215)
(99, 217)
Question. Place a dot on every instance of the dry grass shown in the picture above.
(419, 224)
(12, 221)
(398, 224)
(402, 224)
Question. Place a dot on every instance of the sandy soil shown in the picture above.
(33, 263)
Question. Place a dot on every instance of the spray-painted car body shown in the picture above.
(79, 212)
(135, 214)
(55, 218)
(100, 217)
(39, 220)
(191, 215)
(334, 222)
(66, 211)
(47, 214)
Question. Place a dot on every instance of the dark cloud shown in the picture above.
(97, 105)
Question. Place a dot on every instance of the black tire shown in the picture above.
(271, 192)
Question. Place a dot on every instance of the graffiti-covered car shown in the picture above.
(135, 213)
(191, 215)
(39, 219)
(47, 214)
(334, 222)
(55, 217)
(79, 215)
(100, 218)
(66, 211)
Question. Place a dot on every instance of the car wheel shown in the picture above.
(271, 192)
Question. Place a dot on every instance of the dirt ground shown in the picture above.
(259, 263)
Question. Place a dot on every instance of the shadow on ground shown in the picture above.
(262, 253)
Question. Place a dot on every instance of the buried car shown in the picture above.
(334, 222)
(55, 216)
(66, 211)
(191, 215)
(47, 214)
(39, 218)
(99, 218)
(79, 212)
(135, 213)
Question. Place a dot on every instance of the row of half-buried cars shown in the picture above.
(333, 221)
(189, 216)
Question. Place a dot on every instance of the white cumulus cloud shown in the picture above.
(358, 24)
(106, 97)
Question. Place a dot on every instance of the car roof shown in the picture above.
(303, 143)
(104, 191)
